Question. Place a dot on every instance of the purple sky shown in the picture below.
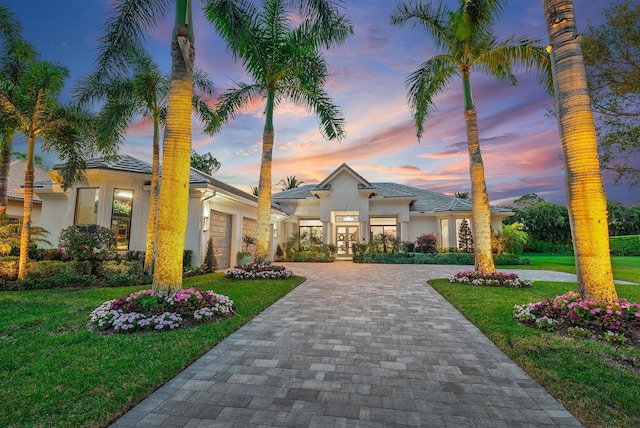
(520, 144)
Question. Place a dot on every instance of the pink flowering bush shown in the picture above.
(261, 269)
(496, 279)
(85, 241)
(609, 321)
(151, 310)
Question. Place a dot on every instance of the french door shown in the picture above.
(345, 237)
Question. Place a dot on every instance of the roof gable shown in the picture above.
(326, 183)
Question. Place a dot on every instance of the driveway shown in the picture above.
(355, 346)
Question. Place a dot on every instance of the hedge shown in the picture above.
(625, 245)
(434, 259)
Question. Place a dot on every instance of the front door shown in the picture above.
(346, 237)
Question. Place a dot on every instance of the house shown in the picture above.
(116, 194)
(15, 191)
(346, 208)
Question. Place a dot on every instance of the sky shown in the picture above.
(519, 141)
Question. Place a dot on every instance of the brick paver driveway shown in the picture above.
(354, 345)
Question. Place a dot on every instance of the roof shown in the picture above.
(423, 200)
(126, 163)
(16, 179)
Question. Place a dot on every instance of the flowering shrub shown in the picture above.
(84, 241)
(261, 269)
(496, 279)
(151, 310)
(426, 243)
(612, 320)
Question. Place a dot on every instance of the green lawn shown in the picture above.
(624, 268)
(53, 372)
(597, 382)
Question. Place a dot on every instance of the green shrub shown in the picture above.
(47, 274)
(51, 254)
(545, 247)
(427, 243)
(85, 241)
(9, 268)
(209, 259)
(625, 245)
(187, 256)
(51, 268)
(510, 259)
(121, 273)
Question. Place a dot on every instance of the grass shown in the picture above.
(53, 372)
(597, 382)
(624, 268)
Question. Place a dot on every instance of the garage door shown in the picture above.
(220, 226)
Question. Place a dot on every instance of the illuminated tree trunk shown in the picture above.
(152, 224)
(25, 232)
(586, 199)
(174, 191)
(479, 197)
(264, 185)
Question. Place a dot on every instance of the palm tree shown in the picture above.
(124, 33)
(291, 182)
(465, 38)
(17, 53)
(586, 198)
(34, 107)
(143, 92)
(284, 63)
(461, 195)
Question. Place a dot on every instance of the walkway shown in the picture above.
(355, 345)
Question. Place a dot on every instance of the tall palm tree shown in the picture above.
(125, 32)
(586, 198)
(143, 92)
(34, 107)
(291, 182)
(466, 41)
(284, 63)
(16, 54)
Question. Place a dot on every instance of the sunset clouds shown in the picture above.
(519, 143)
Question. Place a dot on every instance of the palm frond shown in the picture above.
(232, 101)
(10, 27)
(433, 19)
(426, 83)
(124, 31)
(331, 119)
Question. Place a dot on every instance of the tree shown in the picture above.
(541, 220)
(285, 63)
(143, 91)
(254, 190)
(586, 199)
(623, 220)
(291, 182)
(465, 38)
(465, 237)
(611, 51)
(16, 55)
(124, 32)
(66, 129)
(461, 195)
(37, 159)
(205, 163)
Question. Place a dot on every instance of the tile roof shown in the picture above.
(16, 179)
(425, 200)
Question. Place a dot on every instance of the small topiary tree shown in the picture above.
(209, 258)
(85, 241)
(465, 238)
(427, 243)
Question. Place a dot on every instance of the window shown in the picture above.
(310, 232)
(383, 226)
(121, 217)
(444, 233)
(86, 206)
(346, 218)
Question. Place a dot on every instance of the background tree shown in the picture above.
(143, 91)
(612, 58)
(544, 222)
(16, 55)
(461, 195)
(205, 163)
(465, 237)
(291, 182)
(466, 41)
(68, 130)
(586, 199)
(623, 220)
(285, 63)
(254, 190)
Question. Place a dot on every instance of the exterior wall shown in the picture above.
(250, 227)
(15, 209)
(420, 224)
(344, 196)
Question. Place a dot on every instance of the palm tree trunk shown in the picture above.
(479, 196)
(152, 224)
(264, 185)
(25, 232)
(174, 191)
(7, 149)
(586, 199)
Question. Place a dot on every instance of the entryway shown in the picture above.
(346, 236)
